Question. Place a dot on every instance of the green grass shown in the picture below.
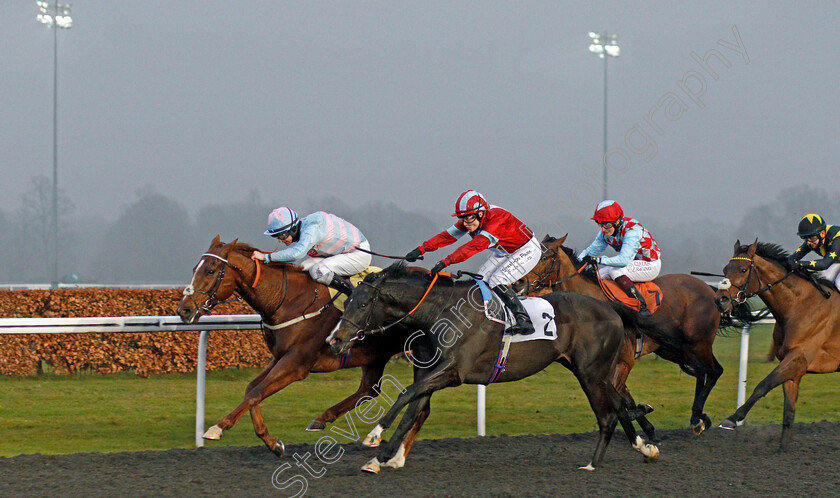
(122, 412)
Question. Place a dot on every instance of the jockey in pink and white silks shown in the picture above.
(515, 250)
(321, 243)
(638, 258)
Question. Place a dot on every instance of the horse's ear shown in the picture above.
(226, 250)
(216, 241)
(753, 247)
(562, 239)
(737, 246)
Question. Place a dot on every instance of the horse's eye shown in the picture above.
(743, 270)
(210, 272)
(362, 305)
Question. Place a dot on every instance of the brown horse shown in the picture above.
(807, 331)
(687, 311)
(282, 294)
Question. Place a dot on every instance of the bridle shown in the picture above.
(742, 295)
(211, 301)
(362, 331)
(548, 272)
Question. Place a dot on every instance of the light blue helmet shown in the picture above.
(282, 221)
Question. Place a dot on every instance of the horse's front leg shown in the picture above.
(393, 454)
(214, 433)
(793, 366)
(290, 368)
(791, 389)
(706, 380)
(371, 375)
(442, 376)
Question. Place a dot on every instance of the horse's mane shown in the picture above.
(777, 254)
(400, 269)
(772, 252)
(572, 254)
(244, 248)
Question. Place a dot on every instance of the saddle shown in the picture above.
(339, 301)
(649, 291)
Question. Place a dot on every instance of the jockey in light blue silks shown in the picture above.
(638, 258)
(322, 243)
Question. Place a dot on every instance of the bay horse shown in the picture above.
(687, 313)
(807, 330)
(466, 348)
(282, 294)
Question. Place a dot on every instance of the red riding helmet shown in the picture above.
(470, 202)
(608, 211)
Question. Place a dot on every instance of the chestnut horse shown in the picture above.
(687, 312)
(807, 331)
(297, 316)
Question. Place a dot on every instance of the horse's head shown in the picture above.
(375, 301)
(210, 284)
(740, 278)
(537, 281)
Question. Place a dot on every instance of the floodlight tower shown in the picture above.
(55, 16)
(604, 46)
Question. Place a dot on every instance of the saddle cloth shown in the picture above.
(540, 311)
(649, 291)
(354, 281)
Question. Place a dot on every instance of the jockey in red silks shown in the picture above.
(515, 250)
(638, 258)
(321, 243)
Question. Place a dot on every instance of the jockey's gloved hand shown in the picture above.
(437, 268)
(414, 255)
(804, 265)
(792, 261)
(592, 260)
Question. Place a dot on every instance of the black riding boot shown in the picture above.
(523, 323)
(341, 284)
(635, 294)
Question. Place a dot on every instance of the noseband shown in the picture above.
(211, 301)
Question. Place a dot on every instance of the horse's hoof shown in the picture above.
(371, 442)
(279, 448)
(707, 420)
(646, 408)
(698, 428)
(214, 433)
(374, 437)
(649, 451)
(588, 467)
(372, 466)
(728, 425)
(315, 426)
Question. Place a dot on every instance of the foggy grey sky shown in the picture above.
(413, 102)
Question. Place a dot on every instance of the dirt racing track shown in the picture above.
(719, 463)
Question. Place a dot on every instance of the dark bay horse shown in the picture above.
(465, 347)
(687, 313)
(281, 294)
(807, 331)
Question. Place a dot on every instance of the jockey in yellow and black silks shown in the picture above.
(825, 241)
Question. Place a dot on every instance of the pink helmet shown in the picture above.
(608, 211)
(470, 202)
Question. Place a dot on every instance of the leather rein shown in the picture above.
(555, 259)
(362, 331)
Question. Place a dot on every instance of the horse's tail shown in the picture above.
(638, 324)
